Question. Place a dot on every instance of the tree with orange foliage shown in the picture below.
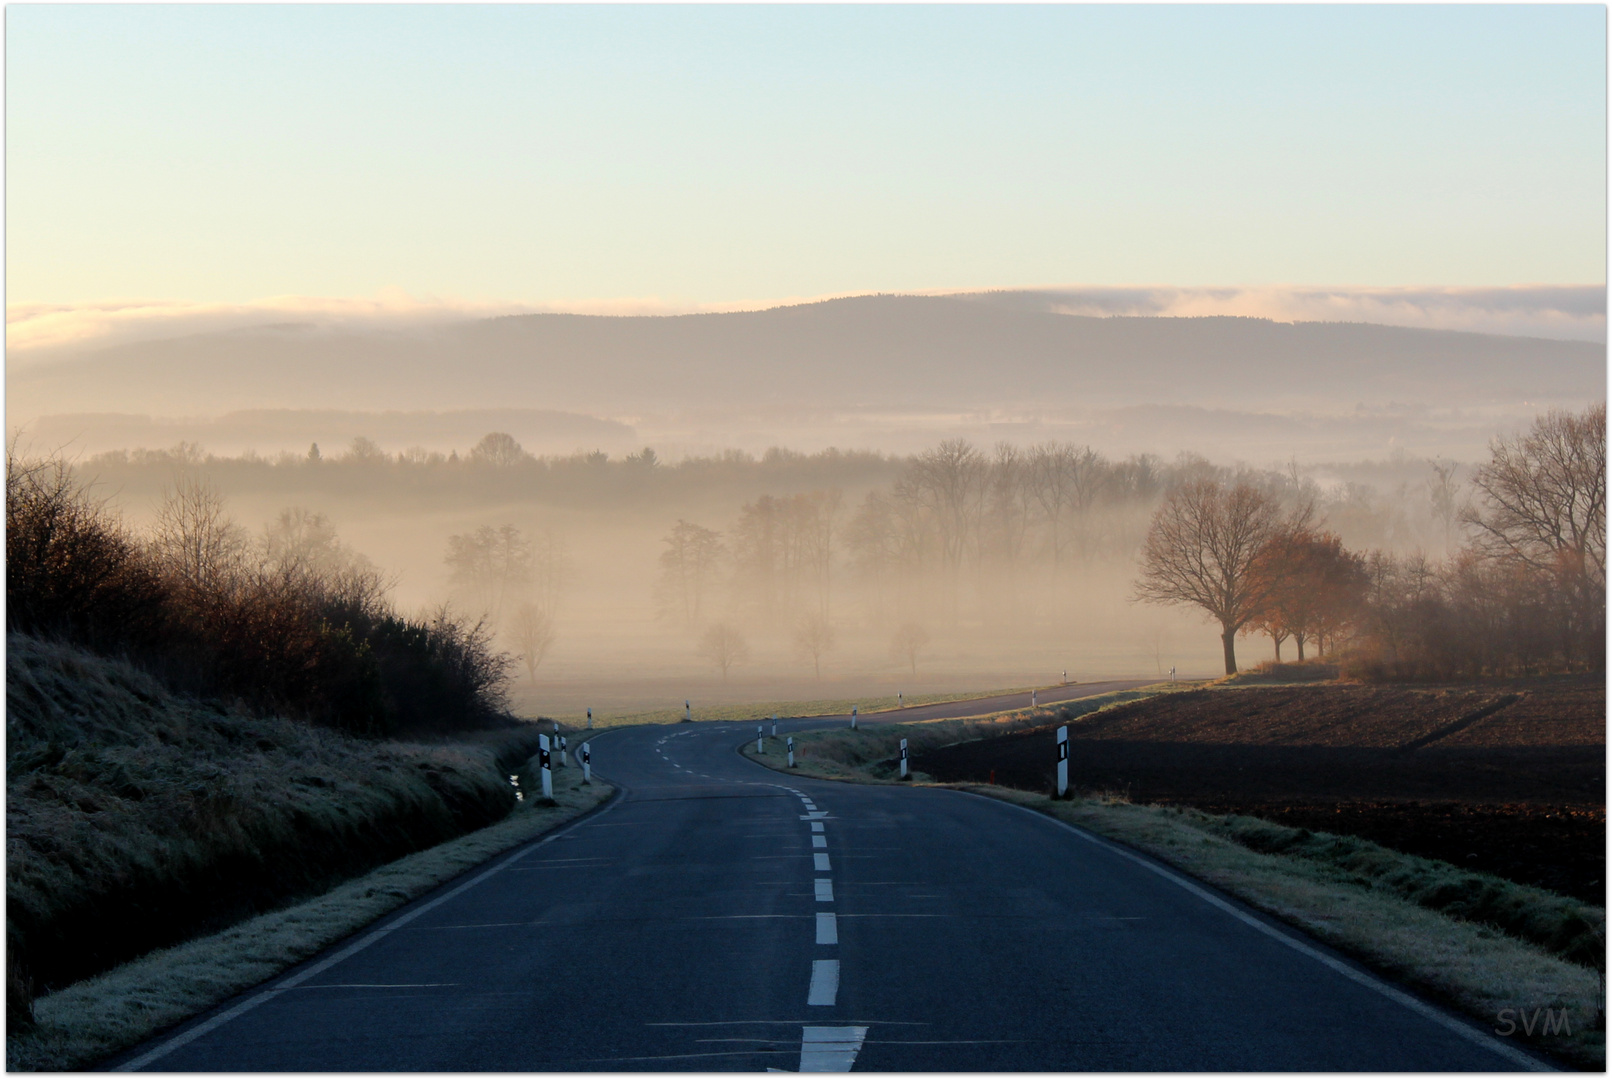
(1311, 588)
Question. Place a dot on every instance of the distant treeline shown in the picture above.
(498, 469)
(1011, 542)
(290, 621)
(958, 521)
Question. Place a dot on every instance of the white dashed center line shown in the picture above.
(828, 931)
(825, 890)
(830, 1049)
(819, 841)
(817, 826)
(825, 982)
(820, 861)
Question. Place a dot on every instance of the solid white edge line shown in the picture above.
(190, 1034)
(1466, 1031)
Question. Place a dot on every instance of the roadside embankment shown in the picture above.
(138, 819)
(82, 1025)
(1480, 944)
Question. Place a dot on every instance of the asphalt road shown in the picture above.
(721, 916)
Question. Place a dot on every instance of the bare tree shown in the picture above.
(299, 539)
(1065, 480)
(1153, 643)
(723, 646)
(497, 448)
(889, 544)
(1544, 495)
(193, 540)
(300, 549)
(1543, 511)
(365, 451)
(688, 569)
(951, 482)
(907, 643)
(1200, 550)
(814, 637)
(490, 566)
(1011, 496)
(532, 632)
(1442, 490)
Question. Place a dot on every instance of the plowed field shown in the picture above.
(1507, 779)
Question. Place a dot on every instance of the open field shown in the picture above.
(754, 710)
(1507, 779)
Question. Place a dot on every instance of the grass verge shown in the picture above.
(86, 1022)
(137, 818)
(1479, 944)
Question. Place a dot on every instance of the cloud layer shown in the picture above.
(35, 331)
(1563, 312)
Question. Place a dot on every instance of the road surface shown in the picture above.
(721, 916)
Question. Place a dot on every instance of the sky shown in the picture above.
(219, 155)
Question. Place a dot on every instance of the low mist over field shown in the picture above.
(838, 574)
(644, 480)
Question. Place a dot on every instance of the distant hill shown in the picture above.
(865, 354)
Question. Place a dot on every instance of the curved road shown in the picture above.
(721, 916)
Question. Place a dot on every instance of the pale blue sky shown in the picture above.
(712, 154)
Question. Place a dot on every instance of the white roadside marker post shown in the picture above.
(590, 719)
(688, 713)
(903, 759)
(1063, 760)
(543, 763)
(791, 751)
(853, 717)
(563, 761)
(587, 771)
(1066, 676)
(758, 738)
(901, 700)
(1032, 699)
(1172, 673)
(775, 725)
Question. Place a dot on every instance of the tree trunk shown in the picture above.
(1228, 641)
(1300, 639)
(1278, 647)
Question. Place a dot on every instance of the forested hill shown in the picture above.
(901, 353)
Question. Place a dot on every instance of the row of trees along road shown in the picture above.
(1526, 592)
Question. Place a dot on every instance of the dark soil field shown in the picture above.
(1506, 778)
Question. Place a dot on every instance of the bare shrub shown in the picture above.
(71, 569)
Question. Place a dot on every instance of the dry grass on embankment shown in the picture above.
(87, 1022)
(1427, 924)
(138, 819)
